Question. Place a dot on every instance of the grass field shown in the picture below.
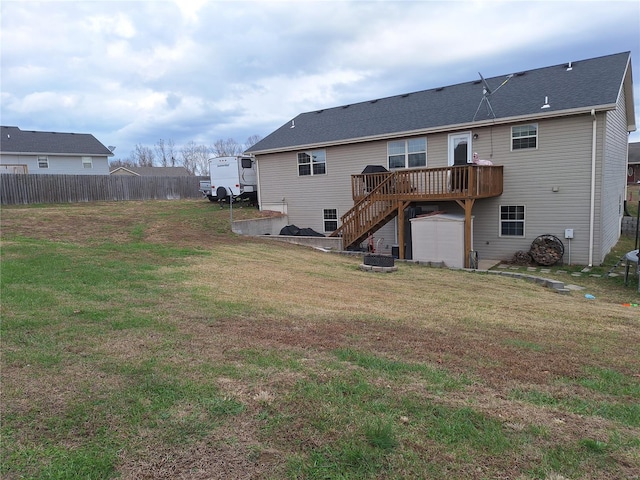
(145, 341)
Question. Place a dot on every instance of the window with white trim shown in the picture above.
(312, 162)
(43, 162)
(330, 219)
(410, 153)
(87, 162)
(524, 136)
(512, 220)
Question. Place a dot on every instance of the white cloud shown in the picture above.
(134, 72)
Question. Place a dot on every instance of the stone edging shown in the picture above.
(373, 268)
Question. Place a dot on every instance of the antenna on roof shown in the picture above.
(486, 93)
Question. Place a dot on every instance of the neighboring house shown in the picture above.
(633, 164)
(25, 151)
(557, 137)
(152, 171)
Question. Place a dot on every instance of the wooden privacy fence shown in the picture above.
(23, 189)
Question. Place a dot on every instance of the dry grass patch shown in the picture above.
(154, 354)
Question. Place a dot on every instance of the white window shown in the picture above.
(512, 220)
(330, 217)
(87, 162)
(407, 153)
(43, 162)
(312, 162)
(524, 136)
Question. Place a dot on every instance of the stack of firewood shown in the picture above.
(521, 258)
(547, 250)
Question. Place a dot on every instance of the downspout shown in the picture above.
(259, 192)
(592, 206)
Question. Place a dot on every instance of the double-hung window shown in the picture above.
(407, 153)
(524, 136)
(330, 218)
(87, 162)
(43, 162)
(312, 162)
(512, 220)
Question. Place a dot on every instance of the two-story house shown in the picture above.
(556, 138)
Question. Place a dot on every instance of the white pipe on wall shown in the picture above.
(592, 206)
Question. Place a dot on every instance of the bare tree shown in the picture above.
(166, 153)
(118, 162)
(195, 158)
(226, 148)
(251, 141)
(143, 156)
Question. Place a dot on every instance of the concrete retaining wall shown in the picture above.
(629, 226)
(260, 226)
(330, 243)
(270, 228)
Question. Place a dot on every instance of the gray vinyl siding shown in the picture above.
(58, 164)
(562, 159)
(305, 197)
(613, 178)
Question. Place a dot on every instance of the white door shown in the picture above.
(459, 148)
(459, 155)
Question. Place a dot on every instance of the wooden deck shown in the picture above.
(378, 197)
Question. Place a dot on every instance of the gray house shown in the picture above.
(30, 152)
(553, 142)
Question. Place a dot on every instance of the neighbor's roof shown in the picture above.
(593, 83)
(154, 171)
(634, 153)
(14, 140)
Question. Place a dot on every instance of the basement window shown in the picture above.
(512, 220)
(43, 162)
(312, 162)
(524, 136)
(330, 218)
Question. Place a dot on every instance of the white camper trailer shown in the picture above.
(231, 177)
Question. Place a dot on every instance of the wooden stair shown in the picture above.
(379, 197)
(370, 213)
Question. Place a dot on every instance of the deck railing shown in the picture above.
(378, 196)
(450, 183)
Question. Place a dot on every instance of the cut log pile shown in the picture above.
(521, 258)
(547, 250)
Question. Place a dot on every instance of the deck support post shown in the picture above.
(467, 205)
(401, 241)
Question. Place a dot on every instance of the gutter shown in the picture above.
(592, 201)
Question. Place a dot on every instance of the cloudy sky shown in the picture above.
(134, 72)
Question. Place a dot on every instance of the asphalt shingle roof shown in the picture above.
(14, 140)
(589, 83)
(157, 171)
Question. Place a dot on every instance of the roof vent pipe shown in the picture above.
(546, 103)
(569, 67)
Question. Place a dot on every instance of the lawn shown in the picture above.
(144, 340)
